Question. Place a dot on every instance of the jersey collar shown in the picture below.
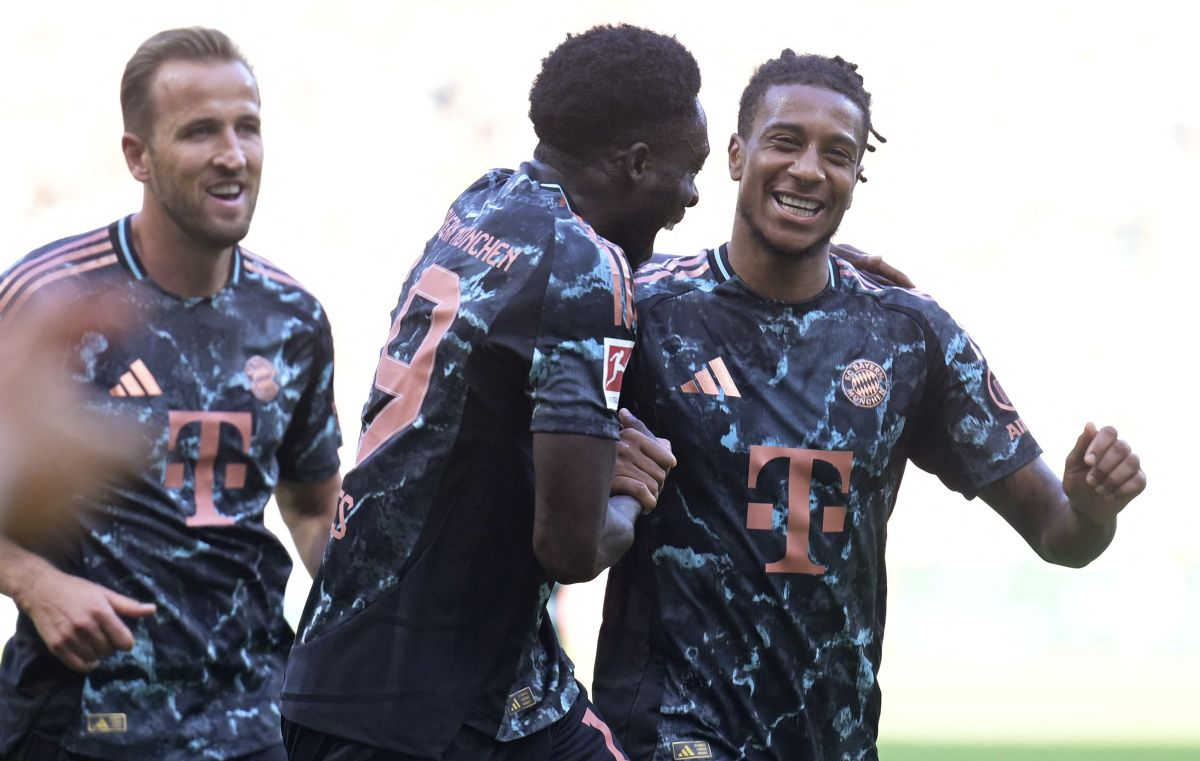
(133, 263)
(718, 259)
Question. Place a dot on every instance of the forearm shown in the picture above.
(617, 534)
(307, 510)
(19, 568)
(1034, 502)
(1073, 539)
(310, 534)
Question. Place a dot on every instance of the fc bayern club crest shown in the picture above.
(865, 383)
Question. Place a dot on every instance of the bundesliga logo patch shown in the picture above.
(616, 358)
(865, 383)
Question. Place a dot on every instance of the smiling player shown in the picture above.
(156, 630)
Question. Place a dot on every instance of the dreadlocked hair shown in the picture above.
(836, 74)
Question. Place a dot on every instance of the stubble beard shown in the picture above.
(190, 220)
(816, 249)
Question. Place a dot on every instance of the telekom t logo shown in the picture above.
(800, 464)
(205, 467)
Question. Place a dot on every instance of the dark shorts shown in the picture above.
(36, 748)
(578, 736)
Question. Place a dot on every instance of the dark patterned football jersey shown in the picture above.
(747, 620)
(429, 612)
(234, 392)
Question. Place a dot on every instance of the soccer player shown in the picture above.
(747, 620)
(486, 461)
(157, 630)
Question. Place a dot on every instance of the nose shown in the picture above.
(807, 166)
(231, 155)
(693, 193)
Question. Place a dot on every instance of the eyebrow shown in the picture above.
(199, 121)
(794, 127)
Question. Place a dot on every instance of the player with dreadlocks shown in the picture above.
(747, 620)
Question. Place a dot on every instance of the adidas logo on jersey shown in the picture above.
(137, 381)
(519, 701)
(689, 749)
(107, 723)
(712, 379)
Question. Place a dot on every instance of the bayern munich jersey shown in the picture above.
(747, 620)
(234, 392)
(429, 612)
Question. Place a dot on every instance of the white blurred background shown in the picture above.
(1039, 179)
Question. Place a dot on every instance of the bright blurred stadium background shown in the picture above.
(1039, 180)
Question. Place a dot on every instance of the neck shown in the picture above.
(778, 275)
(176, 262)
(592, 193)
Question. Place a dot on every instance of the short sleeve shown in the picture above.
(585, 336)
(971, 434)
(309, 451)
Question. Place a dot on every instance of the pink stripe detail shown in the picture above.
(593, 721)
(43, 265)
(261, 267)
(627, 275)
(616, 285)
(687, 263)
(71, 271)
(696, 271)
(52, 253)
(653, 277)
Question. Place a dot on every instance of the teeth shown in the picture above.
(231, 189)
(801, 207)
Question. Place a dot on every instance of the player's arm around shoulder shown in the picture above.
(1071, 521)
(872, 263)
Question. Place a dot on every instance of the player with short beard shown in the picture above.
(156, 631)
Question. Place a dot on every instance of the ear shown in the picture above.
(737, 153)
(136, 152)
(635, 162)
(858, 175)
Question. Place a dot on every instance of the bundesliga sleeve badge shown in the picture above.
(617, 352)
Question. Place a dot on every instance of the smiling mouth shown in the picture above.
(798, 207)
(228, 191)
